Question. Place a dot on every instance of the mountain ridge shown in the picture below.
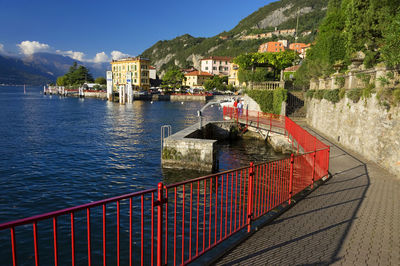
(42, 68)
(187, 50)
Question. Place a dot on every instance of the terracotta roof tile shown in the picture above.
(219, 58)
(292, 68)
(198, 73)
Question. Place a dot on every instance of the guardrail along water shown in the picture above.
(176, 223)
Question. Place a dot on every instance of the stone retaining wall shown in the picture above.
(185, 98)
(194, 149)
(364, 127)
(100, 94)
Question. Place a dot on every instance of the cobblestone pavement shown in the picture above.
(352, 219)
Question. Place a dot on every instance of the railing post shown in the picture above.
(250, 197)
(237, 114)
(159, 204)
(270, 122)
(247, 116)
(291, 178)
(258, 120)
(313, 172)
(13, 246)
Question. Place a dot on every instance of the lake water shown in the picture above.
(60, 152)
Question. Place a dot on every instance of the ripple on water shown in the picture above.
(61, 152)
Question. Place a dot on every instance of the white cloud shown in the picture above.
(31, 47)
(74, 55)
(2, 48)
(118, 55)
(100, 58)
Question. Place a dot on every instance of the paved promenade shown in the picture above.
(353, 219)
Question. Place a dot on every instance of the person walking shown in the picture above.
(235, 104)
(240, 107)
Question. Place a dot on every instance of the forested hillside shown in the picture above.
(354, 30)
(187, 50)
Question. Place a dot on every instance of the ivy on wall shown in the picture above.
(270, 101)
(387, 97)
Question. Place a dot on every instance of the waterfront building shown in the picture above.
(273, 47)
(216, 65)
(233, 78)
(188, 70)
(139, 69)
(301, 48)
(152, 72)
(196, 78)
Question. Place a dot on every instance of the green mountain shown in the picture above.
(42, 68)
(187, 50)
(16, 71)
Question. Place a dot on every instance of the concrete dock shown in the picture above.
(352, 219)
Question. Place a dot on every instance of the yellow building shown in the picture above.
(196, 78)
(233, 78)
(139, 67)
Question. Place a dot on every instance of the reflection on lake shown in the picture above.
(60, 152)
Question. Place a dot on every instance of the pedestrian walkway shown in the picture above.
(352, 219)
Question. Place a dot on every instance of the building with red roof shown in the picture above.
(196, 78)
(301, 48)
(273, 47)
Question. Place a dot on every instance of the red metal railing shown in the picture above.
(172, 224)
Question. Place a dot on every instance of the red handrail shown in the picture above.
(193, 216)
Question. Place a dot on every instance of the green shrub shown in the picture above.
(332, 95)
(340, 81)
(368, 90)
(396, 96)
(384, 81)
(310, 94)
(342, 93)
(269, 101)
(390, 75)
(264, 98)
(354, 95)
(384, 95)
(319, 94)
(279, 96)
(364, 78)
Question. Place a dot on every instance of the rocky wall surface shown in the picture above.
(196, 154)
(186, 149)
(101, 95)
(364, 127)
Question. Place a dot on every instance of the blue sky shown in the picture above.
(92, 30)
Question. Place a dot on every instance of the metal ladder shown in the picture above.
(165, 133)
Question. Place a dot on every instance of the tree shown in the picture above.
(101, 80)
(62, 81)
(77, 75)
(254, 66)
(390, 52)
(366, 23)
(259, 74)
(216, 82)
(351, 26)
(330, 46)
(173, 77)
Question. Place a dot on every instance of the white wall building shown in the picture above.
(152, 72)
(216, 65)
